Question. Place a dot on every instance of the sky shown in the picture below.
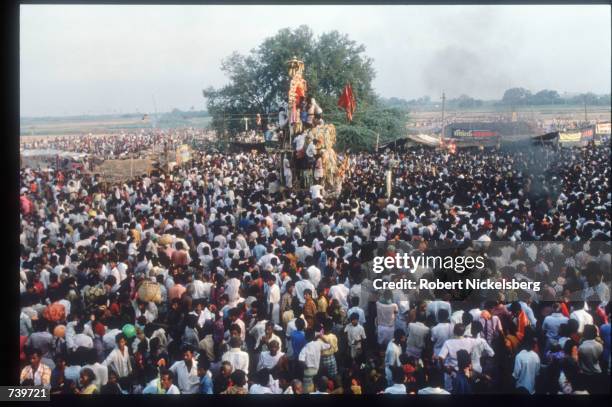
(103, 59)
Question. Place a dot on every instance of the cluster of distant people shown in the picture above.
(116, 146)
(212, 278)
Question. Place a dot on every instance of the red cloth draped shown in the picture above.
(347, 101)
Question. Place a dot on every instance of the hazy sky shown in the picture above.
(80, 59)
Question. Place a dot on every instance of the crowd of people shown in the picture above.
(213, 278)
(120, 145)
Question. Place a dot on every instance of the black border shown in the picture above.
(9, 351)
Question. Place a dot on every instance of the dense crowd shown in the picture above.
(251, 288)
(120, 145)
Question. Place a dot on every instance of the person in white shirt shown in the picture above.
(232, 287)
(356, 309)
(417, 333)
(100, 371)
(398, 386)
(386, 313)
(162, 385)
(392, 354)
(268, 359)
(339, 292)
(261, 383)
(480, 347)
(448, 352)
(200, 289)
(434, 307)
(186, 372)
(310, 356)
(314, 275)
(317, 192)
(355, 334)
(526, 368)
(442, 331)
(581, 315)
(81, 339)
(119, 358)
(273, 298)
(236, 357)
(302, 285)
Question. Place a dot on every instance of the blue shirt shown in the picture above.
(461, 384)
(298, 341)
(259, 250)
(552, 323)
(206, 384)
(604, 331)
(526, 368)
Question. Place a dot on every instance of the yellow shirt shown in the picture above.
(91, 389)
(322, 304)
(333, 341)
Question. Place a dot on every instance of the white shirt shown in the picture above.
(266, 360)
(231, 289)
(386, 314)
(302, 285)
(119, 362)
(354, 333)
(392, 354)
(273, 294)
(314, 274)
(434, 306)
(450, 348)
(397, 388)
(439, 334)
(259, 389)
(316, 191)
(201, 289)
(339, 292)
(583, 318)
(311, 353)
(82, 340)
(187, 380)
(109, 338)
(481, 347)
(238, 359)
(153, 386)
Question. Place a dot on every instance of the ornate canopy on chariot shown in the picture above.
(322, 137)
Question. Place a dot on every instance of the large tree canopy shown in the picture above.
(258, 83)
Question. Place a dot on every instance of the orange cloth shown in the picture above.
(523, 322)
(310, 310)
(565, 310)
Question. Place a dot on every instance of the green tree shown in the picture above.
(258, 82)
(546, 97)
(516, 96)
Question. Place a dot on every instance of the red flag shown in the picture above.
(347, 101)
